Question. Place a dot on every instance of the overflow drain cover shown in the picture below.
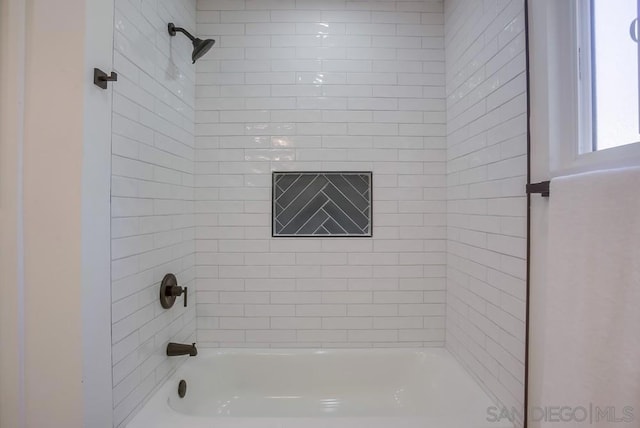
(182, 388)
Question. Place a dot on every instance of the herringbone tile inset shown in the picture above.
(322, 204)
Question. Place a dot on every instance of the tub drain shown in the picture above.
(182, 388)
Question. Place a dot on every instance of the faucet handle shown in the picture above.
(174, 290)
(177, 291)
(169, 290)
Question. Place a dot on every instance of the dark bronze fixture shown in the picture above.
(543, 188)
(200, 47)
(182, 388)
(100, 78)
(169, 290)
(175, 349)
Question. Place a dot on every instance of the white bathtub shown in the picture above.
(319, 388)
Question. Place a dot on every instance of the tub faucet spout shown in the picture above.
(175, 349)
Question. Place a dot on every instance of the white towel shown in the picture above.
(592, 329)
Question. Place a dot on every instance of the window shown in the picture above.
(609, 113)
(583, 71)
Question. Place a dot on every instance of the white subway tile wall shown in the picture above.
(316, 85)
(152, 194)
(486, 204)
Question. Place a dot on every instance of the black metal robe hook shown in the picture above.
(100, 78)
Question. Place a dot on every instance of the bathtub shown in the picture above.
(273, 388)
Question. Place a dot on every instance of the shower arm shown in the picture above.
(173, 29)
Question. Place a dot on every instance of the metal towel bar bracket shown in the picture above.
(542, 188)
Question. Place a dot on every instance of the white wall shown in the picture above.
(96, 218)
(327, 86)
(152, 194)
(49, 102)
(12, 45)
(486, 172)
(53, 137)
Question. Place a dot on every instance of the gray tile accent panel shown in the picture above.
(322, 204)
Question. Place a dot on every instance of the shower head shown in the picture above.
(200, 47)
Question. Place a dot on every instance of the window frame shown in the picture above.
(563, 51)
(587, 121)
